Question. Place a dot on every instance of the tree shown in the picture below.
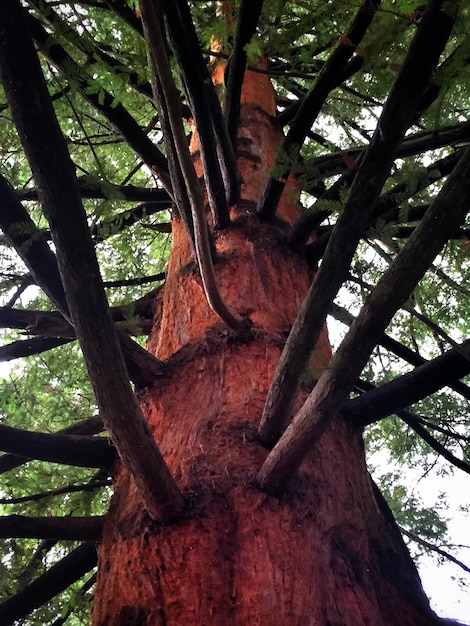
(236, 441)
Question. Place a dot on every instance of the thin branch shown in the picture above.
(440, 429)
(423, 54)
(434, 548)
(124, 11)
(36, 497)
(447, 211)
(312, 104)
(456, 135)
(387, 207)
(414, 424)
(117, 115)
(89, 48)
(91, 187)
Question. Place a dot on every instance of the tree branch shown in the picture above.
(58, 491)
(117, 115)
(248, 16)
(423, 54)
(455, 135)
(29, 347)
(54, 581)
(78, 450)
(415, 423)
(54, 173)
(387, 207)
(312, 104)
(400, 350)
(434, 548)
(160, 61)
(205, 106)
(90, 426)
(406, 390)
(91, 187)
(59, 528)
(446, 212)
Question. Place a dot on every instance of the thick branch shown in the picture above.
(447, 211)
(75, 528)
(406, 390)
(416, 424)
(24, 236)
(205, 109)
(422, 57)
(137, 315)
(79, 450)
(403, 352)
(248, 15)
(28, 347)
(54, 173)
(56, 579)
(89, 426)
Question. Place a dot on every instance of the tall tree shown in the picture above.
(300, 157)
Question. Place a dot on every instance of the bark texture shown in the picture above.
(327, 552)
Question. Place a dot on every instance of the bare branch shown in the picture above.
(56, 579)
(423, 54)
(54, 173)
(434, 548)
(312, 104)
(248, 15)
(408, 389)
(79, 450)
(75, 528)
(164, 79)
(446, 212)
(406, 354)
(90, 426)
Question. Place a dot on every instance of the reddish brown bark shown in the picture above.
(326, 552)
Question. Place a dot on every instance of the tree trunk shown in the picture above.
(328, 551)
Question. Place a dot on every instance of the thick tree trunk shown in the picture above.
(327, 552)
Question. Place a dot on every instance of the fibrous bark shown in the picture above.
(326, 552)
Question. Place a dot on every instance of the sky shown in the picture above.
(447, 597)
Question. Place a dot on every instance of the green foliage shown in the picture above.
(51, 391)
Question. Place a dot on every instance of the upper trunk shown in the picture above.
(328, 551)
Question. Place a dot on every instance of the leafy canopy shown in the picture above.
(94, 59)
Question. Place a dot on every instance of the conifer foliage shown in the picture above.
(224, 179)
